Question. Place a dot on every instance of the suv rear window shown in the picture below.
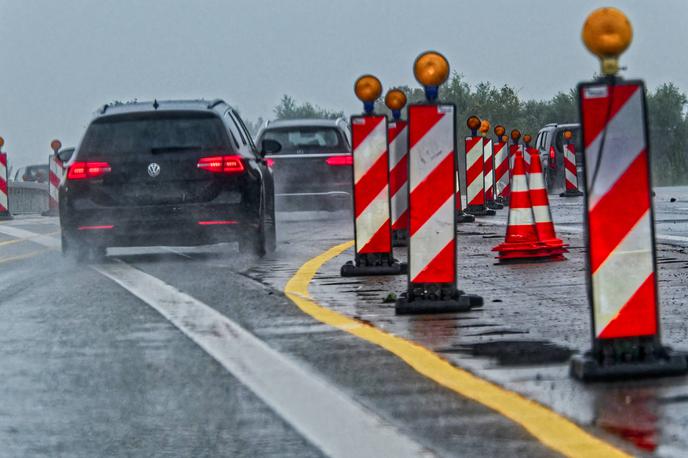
(162, 132)
(309, 139)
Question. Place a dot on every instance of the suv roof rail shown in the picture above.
(104, 108)
(215, 103)
(551, 124)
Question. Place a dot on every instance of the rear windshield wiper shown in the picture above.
(172, 149)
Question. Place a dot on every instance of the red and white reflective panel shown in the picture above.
(57, 172)
(4, 200)
(432, 191)
(526, 156)
(488, 169)
(570, 167)
(621, 251)
(475, 185)
(501, 169)
(398, 173)
(371, 190)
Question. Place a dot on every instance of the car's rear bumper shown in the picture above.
(328, 200)
(177, 225)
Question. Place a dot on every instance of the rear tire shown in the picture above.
(264, 241)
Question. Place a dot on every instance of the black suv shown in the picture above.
(167, 173)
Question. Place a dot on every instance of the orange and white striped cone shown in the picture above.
(570, 171)
(4, 189)
(372, 222)
(521, 242)
(622, 277)
(544, 226)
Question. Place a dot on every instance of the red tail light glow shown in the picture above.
(270, 162)
(95, 228)
(217, 223)
(340, 160)
(221, 164)
(85, 170)
(552, 158)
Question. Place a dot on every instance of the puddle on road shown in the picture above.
(516, 352)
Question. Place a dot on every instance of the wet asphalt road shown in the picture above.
(90, 370)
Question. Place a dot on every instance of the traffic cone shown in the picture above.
(544, 227)
(521, 242)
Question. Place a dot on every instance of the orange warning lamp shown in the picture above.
(607, 33)
(499, 130)
(505, 139)
(431, 70)
(2, 142)
(568, 135)
(473, 123)
(395, 101)
(55, 145)
(484, 127)
(515, 135)
(526, 139)
(368, 89)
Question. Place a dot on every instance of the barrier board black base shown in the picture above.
(352, 270)
(587, 368)
(571, 193)
(418, 306)
(399, 237)
(494, 205)
(462, 217)
(480, 211)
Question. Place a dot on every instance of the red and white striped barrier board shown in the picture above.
(432, 193)
(570, 171)
(501, 162)
(57, 171)
(398, 179)
(488, 170)
(475, 184)
(620, 225)
(432, 212)
(4, 193)
(619, 211)
(372, 222)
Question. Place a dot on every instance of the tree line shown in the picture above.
(668, 119)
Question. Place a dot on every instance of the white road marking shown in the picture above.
(326, 417)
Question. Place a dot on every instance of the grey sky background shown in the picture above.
(60, 60)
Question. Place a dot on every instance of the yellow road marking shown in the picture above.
(25, 239)
(21, 256)
(550, 428)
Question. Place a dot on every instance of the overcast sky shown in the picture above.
(60, 60)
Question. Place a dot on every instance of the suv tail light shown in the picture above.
(221, 164)
(86, 170)
(552, 158)
(340, 160)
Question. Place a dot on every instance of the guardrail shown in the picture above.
(27, 197)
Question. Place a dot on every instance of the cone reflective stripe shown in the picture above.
(4, 191)
(398, 177)
(501, 163)
(620, 220)
(475, 185)
(371, 191)
(544, 226)
(622, 280)
(570, 171)
(432, 193)
(55, 176)
(488, 170)
(372, 222)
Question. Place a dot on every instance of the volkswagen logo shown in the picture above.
(153, 169)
